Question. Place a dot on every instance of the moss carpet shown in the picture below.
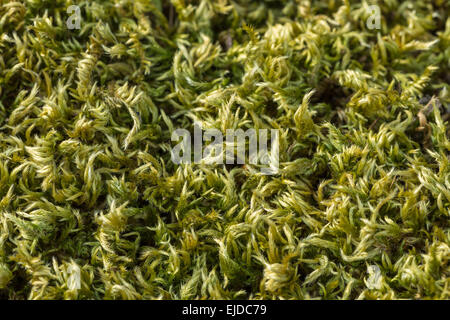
(92, 207)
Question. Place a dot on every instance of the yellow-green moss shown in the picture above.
(91, 206)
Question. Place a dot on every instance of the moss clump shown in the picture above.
(92, 207)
